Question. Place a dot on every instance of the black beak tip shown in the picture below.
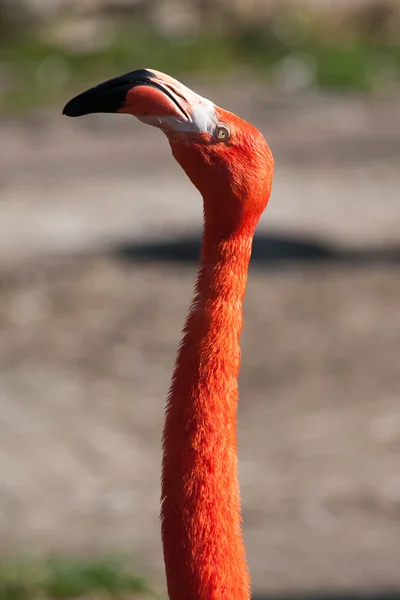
(107, 97)
(95, 100)
(66, 111)
(71, 109)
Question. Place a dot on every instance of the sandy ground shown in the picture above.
(88, 338)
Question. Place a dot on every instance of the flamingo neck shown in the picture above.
(201, 525)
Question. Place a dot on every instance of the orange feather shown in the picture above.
(201, 524)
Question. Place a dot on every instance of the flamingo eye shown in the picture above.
(222, 132)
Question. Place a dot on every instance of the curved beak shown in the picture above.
(152, 97)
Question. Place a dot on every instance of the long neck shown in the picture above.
(201, 525)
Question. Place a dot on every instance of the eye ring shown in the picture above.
(222, 132)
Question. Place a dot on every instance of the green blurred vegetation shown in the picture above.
(291, 53)
(64, 579)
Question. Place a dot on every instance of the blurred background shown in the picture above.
(99, 239)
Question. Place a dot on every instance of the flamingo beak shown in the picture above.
(152, 97)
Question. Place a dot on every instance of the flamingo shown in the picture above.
(230, 163)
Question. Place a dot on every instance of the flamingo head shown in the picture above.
(225, 157)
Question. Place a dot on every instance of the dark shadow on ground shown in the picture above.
(268, 250)
(370, 595)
